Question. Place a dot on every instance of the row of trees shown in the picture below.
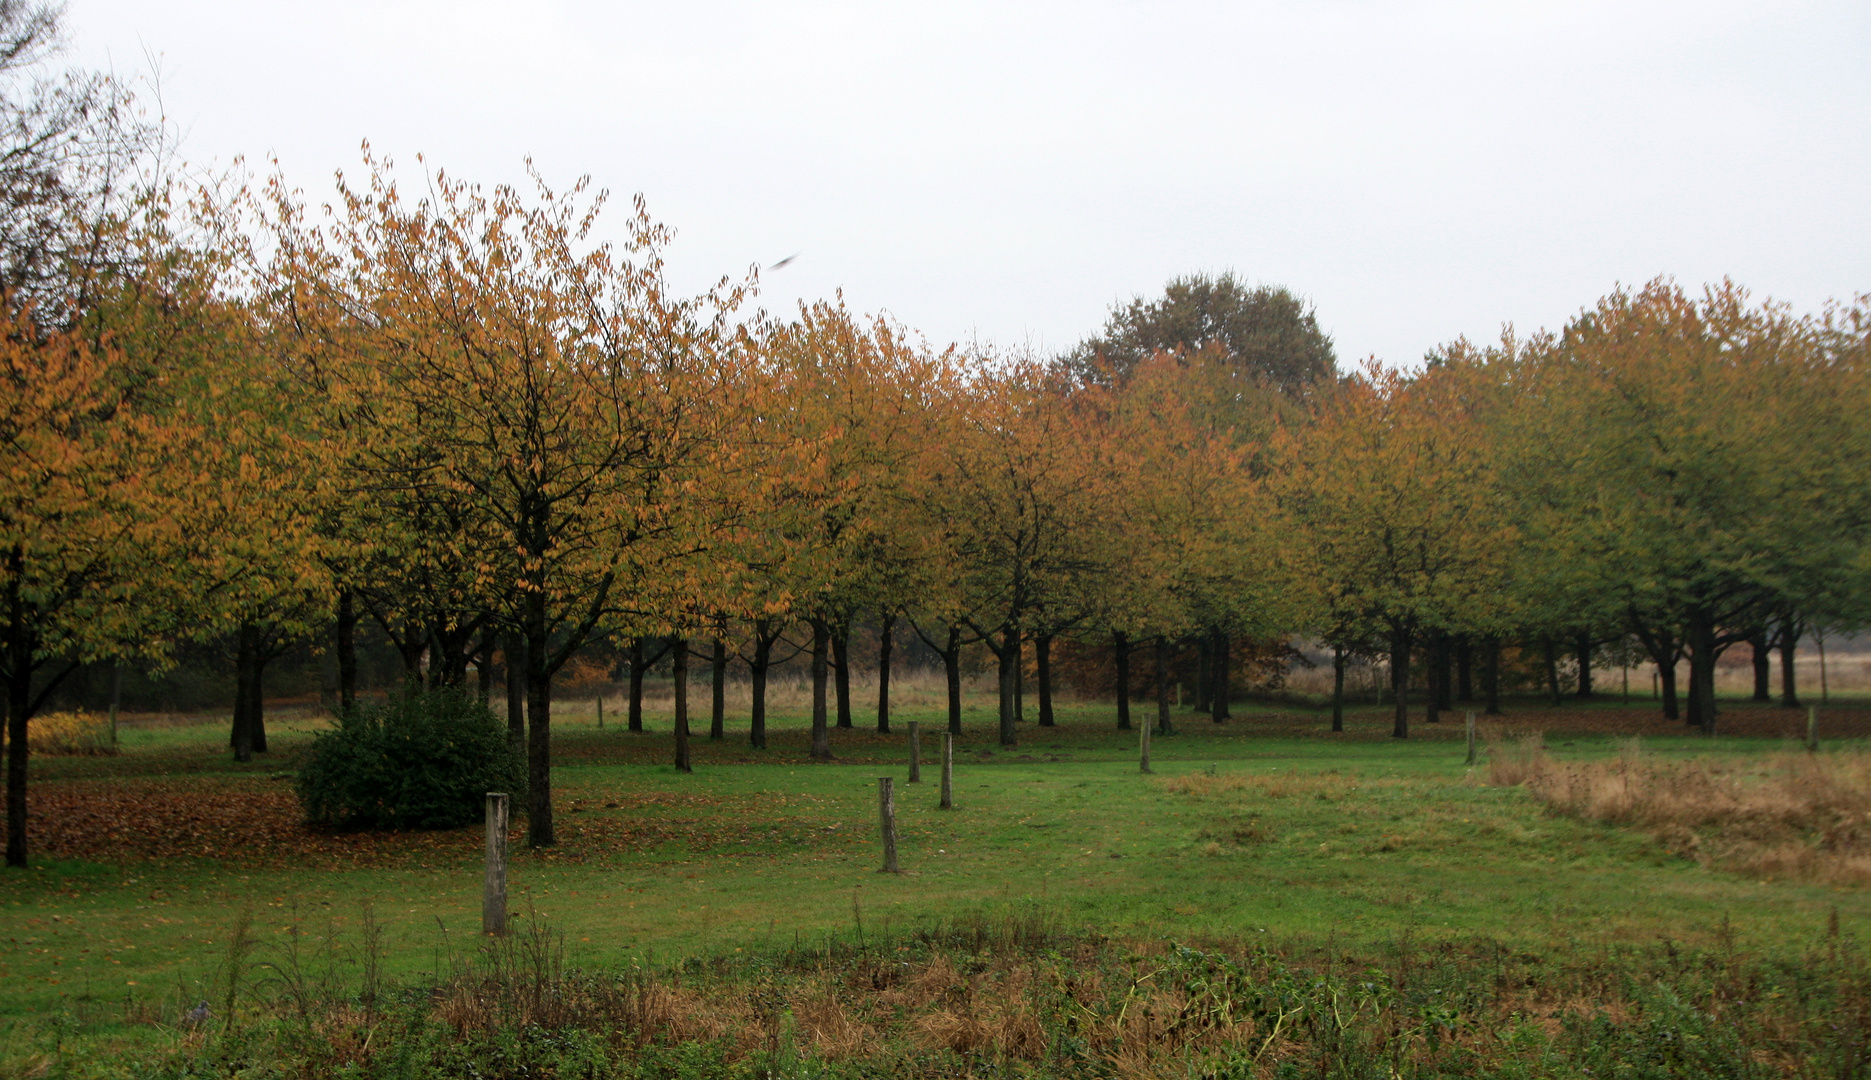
(463, 417)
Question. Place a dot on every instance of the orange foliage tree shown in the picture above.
(500, 360)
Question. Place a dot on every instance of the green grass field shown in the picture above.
(148, 859)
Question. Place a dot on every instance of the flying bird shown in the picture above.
(784, 261)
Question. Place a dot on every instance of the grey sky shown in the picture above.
(1007, 171)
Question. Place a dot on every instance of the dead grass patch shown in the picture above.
(1787, 815)
(70, 734)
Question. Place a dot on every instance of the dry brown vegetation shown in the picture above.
(1020, 994)
(70, 734)
(1788, 815)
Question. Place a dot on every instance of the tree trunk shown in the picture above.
(1019, 684)
(1042, 664)
(1789, 645)
(841, 671)
(256, 697)
(347, 651)
(1338, 688)
(1552, 670)
(411, 644)
(516, 690)
(1763, 667)
(679, 673)
(1445, 681)
(1009, 684)
(1162, 685)
(718, 700)
(1120, 653)
(1491, 677)
(1435, 670)
(1464, 669)
(20, 647)
(540, 832)
(763, 660)
(1204, 671)
(484, 668)
(821, 735)
(951, 671)
(1702, 669)
(637, 665)
(246, 658)
(1661, 645)
(885, 641)
(1400, 680)
(1582, 648)
(1218, 705)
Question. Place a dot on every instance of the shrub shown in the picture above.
(423, 759)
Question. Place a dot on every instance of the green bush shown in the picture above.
(422, 759)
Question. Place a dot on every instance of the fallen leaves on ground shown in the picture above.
(256, 821)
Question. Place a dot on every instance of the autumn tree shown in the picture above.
(1012, 496)
(1396, 489)
(553, 384)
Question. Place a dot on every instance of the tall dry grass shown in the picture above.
(70, 734)
(1787, 815)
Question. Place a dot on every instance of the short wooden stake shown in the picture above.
(600, 712)
(494, 888)
(1143, 742)
(1812, 729)
(887, 823)
(1471, 736)
(916, 754)
(948, 770)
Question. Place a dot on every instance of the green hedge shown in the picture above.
(421, 759)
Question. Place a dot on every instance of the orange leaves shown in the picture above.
(515, 411)
(88, 506)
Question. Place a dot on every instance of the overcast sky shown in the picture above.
(1007, 171)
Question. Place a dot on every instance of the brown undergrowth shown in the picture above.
(1787, 815)
(1018, 993)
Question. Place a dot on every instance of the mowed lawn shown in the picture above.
(146, 860)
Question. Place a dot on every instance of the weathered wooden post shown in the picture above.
(1143, 742)
(600, 712)
(948, 770)
(887, 823)
(494, 887)
(916, 754)
(1471, 736)
(1812, 729)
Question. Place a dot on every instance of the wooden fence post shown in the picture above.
(887, 822)
(1812, 729)
(1471, 736)
(1143, 742)
(494, 887)
(600, 712)
(948, 770)
(916, 755)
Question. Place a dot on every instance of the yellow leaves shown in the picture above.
(1395, 482)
